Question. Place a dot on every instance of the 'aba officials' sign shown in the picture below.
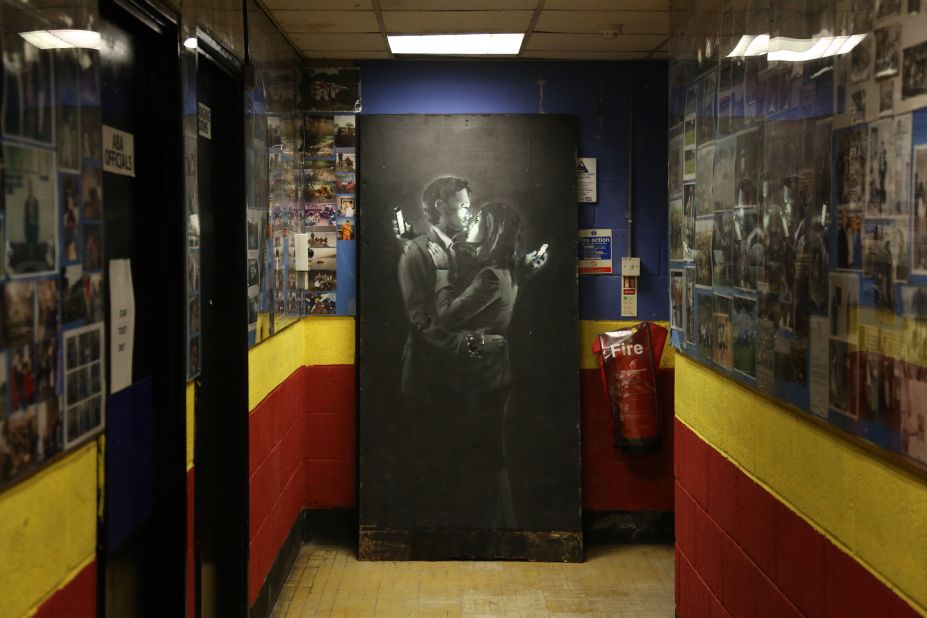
(118, 152)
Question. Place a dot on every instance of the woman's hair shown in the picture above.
(501, 230)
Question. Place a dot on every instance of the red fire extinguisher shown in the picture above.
(629, 359)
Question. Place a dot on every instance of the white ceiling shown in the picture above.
(555, 29)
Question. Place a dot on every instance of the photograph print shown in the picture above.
(888, 51)
(914, 71)
(688, 310)
(744, 334)
(677, 302)
(31, 210)
(723, 336)
(468, 393)
(677, 228)
(345, 132)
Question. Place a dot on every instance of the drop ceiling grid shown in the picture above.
(568, 29)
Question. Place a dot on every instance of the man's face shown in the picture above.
(455, 211)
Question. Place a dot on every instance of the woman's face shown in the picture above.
(475, 232)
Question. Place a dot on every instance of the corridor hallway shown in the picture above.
(620, 581)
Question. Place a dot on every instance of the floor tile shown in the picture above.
(623, 581)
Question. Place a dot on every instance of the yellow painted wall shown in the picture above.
(48, 529)
(872, 509)
(191, 421)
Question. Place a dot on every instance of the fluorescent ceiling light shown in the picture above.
(802, 50)
(785, 49)
(750, 45)
(63, 39)
(457, 44)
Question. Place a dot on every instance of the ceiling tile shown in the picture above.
(457, 21)
(607, 5)
(327, 21)
(457, 5)
(633, 22)
(338, 42)
(587, 55)
(320, 5)
(593, 42)
(349, 55)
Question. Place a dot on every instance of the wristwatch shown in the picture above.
(475, 344)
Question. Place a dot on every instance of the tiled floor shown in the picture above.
(627, 581)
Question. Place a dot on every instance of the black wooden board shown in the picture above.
(469, 450)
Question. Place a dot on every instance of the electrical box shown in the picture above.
(631, 267)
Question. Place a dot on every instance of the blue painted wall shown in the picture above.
(603, 96)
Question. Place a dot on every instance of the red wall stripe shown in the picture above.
(612, 479)
(304, 433)
(191, 547)
(742, 552)
(77, 599)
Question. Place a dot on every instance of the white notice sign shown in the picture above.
(122, 312)
(204, 124)
(585, 180)
(118, 152)
(629, 297)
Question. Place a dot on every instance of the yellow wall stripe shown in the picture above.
(47, 530)
(329, 341)
(874, 510)
(191, 421)
(273, 360)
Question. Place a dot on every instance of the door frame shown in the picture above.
(230, 470)
(170, 493)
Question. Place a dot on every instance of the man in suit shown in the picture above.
(428, 358)
(429, 348)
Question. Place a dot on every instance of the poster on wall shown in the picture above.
(586, 180)
(595, 252)
(335, 89)
(453, 339)
(84, 381)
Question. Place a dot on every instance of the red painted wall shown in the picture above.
(277, 474)
(612, 479)
(191, 539)
(303, 455)
(330, 453)
(77, 599)
(741, 552)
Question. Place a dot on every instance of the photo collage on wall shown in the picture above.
(52, 340)
(331, 98)
(194, 298)
(798, 224)
(329, 199)
(302, 180)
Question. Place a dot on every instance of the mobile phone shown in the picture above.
(400, 227)
(541, 251)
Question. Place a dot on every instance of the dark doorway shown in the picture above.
(142, 533)
(222, 390)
